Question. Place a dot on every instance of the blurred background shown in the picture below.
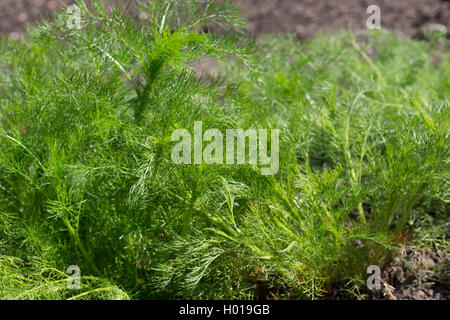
(303, 17)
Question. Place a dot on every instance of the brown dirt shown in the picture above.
(16, 14)
(417, 275)
(413, 274)
(308, 16)
(305, 17)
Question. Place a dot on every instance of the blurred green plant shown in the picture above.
(86, 175)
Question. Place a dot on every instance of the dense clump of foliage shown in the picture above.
(86, 176)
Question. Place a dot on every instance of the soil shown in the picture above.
(421, 274)
(16, 14)
(413, 274)
(304, 17)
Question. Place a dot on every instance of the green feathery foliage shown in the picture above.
(86, 176)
